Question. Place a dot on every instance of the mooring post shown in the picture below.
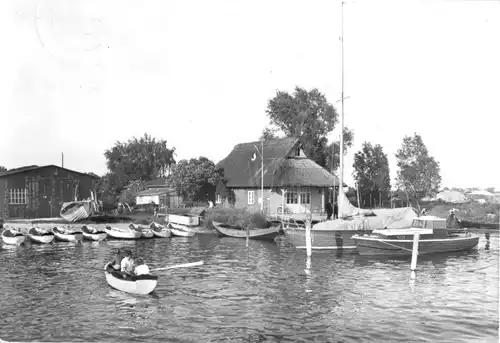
(308, 238)
(414, 254)
(248, 234)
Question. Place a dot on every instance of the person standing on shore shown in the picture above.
(329, 211)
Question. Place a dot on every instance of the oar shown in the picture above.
(191, 264)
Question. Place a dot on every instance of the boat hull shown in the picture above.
(76, 210)
(41, 239)
(323, 239)
(11, 237)
(268, 234)
(193, 229)
(160, 231)
(91, 235)
(394, 247)
(147, 233)
(181, 233)
(64, 237)
(123, 234)
(141, 285)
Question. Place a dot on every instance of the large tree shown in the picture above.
(419, 173)
(371, 172)
(2, 169)
(195, 179)
(142, 158)
(308, 115)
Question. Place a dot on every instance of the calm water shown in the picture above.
(263, 294)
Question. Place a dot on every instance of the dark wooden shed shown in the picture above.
(40, 191)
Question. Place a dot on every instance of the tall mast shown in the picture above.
(262, 176)
(341, 173)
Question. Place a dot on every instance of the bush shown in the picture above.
(232, 216)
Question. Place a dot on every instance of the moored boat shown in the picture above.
(12, 236)
(434, 238)
(194, 229)
(122, 232)
(134, 284)
(146, 232)
(159, 230)
(65, 235)
(93, 234)
(180, 233)
(41, 236)
(267, 234)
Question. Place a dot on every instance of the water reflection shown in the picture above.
(266, 292)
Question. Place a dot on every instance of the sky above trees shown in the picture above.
(199, 74)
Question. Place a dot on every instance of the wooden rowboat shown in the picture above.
(93, 234)
(122, 233)
(235, 231)
(146, 232)
(194, 229)
(141, 284)
(65, 235)
(76, 210)
(41, 236)
(160, 230)
(180, 233)
(12, 236)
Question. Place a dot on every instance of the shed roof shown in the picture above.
(35, 167)
(281, 166)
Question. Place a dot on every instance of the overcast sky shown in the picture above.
(76, 76)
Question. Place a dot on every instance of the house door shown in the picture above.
(298, 200)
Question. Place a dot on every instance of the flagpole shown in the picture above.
(341, 178)
(262, 177)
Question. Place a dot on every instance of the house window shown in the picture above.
(17, 196)
(305, 196)
(251, 197)
(218, 199)
(292, 197)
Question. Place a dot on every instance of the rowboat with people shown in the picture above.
(435, 237)
(12, 236)
(266, 234)
(42, 236)
(134, 284)
(91, 233)
(65, 235)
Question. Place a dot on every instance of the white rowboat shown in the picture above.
(11, 236)
(40, 236)
(93, 234)
(159, 230)
(141, 284)
(122, 233)
(64, 235)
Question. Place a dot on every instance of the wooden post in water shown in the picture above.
(308, 238)
(248, 234)
(414, 254)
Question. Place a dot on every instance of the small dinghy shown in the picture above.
(65, 235)
(93, 234)
(12, 236)
(267, 234)
(194, 229)
(180, 233)
(141, 284)
(122, 232)
(145, 231)
(76, 210)
(160, 230)
(41, 236)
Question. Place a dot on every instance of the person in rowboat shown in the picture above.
(118, 259)
(127, 264)
(140, 267)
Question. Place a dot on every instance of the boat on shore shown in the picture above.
(37, 235)
(65, 235)
(434, 238)
(118, 232)
(76, 210)
(134, 284)
(267, 234)
(12, 236)
(159, 230)
(93, 234)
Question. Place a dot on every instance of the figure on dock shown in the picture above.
(335, 211)
(329, 211)
(452, 221)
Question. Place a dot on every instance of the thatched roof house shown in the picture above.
(285, 167)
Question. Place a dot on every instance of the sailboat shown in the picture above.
(337, 234)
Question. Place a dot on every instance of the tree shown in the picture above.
(419, 173)
(93, 175)
(2, 169)
(194, 179)
(140, 159)
(308, 115)
(371, 171)
(490, 189)
(268, 133)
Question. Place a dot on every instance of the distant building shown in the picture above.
(159, 192)
(306, 185)
(40, 191)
